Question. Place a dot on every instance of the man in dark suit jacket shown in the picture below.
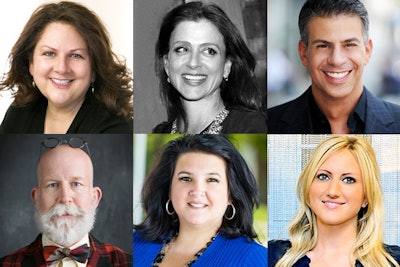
(334, 47)
(66, 203)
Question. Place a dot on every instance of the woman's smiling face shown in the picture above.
(196, 62)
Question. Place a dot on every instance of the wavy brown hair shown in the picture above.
(113, 84)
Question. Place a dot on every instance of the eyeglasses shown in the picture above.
(74, 142)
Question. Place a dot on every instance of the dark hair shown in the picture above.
(328, 8)
(113, 84)
(240, 89)
(242, 188)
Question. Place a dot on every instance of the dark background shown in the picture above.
(112, 160)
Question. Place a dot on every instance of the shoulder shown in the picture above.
(245, 121)
(29, 255)
(144, 252)
(94, 117)
(276, 250)
(291, 117)
(234, 252)
(107, 253)
(394, 251)
(163, 127)
(374, 101)
(24, 119)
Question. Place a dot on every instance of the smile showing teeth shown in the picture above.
(194, 77)
(61, 82)
(332, 204)
(337, 75)
(195, 205)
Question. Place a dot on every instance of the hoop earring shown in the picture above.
(166, 208)
(233, 213)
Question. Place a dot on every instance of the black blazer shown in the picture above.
(294, 116)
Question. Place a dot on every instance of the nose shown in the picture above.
(61, 64)
(198, 190)
(65, 196)
(337, 56)
(194, 60)
(333, 190)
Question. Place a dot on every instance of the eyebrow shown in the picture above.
(202, 44)
(348, 173)
(189, 173)
(350, 40)
(72, 50)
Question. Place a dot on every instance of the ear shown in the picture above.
(302, 49)
(35, 195)
(368, 51)
(166, 64)
(97, 194)
(227, 68)
(365, 203)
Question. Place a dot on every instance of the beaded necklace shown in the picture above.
(214, 127)
(160, 256)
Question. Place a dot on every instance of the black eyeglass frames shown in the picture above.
(74, 142)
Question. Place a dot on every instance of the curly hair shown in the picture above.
(240, 90)
(242, 188)
(113, 84)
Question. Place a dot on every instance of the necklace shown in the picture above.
(214, 127)
(160, 256)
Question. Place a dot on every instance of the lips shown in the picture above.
(194, 79)
(61, 81)
(337, 75)
(332, 204)
(197, 205)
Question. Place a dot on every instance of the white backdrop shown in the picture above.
(116, 15)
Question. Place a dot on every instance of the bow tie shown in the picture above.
(53, 254)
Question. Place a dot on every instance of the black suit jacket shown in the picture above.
(294, 117)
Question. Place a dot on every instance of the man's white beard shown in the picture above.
(65, 231)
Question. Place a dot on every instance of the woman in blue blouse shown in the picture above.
(199, 200)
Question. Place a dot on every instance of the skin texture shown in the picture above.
(199, 190)
(65, 176)
(61, 53)
(336, 193)
(335, 57)
(197, 48)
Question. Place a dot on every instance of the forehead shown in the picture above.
(200, 161)
(65, 162)
(340, 27)
(61, 33)
(199, 31)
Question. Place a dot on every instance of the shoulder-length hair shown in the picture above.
(242, 188)
(368, 248)
(240, 90)
(113, 84)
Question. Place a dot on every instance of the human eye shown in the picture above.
(210, 51)
(349, 180)
(185, 179)
(76, 184)
(52, 185)
(322, 46)
(76, 56)
(180, 49)
(213, 180)
(322, 177)
(49, 54)
(349, 45)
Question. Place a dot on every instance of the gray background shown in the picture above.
(112, 158)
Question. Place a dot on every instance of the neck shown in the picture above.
(59, 119)
(200, 113)
(337, 110)
(336, 238)
(195, 238)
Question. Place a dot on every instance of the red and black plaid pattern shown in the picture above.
(101, 255)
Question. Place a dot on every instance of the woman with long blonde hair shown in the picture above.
(340, 219)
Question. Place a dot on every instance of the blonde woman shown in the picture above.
(339, 222)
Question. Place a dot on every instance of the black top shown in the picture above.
(277, 248)
(237, 121)
(92, 117)
(302, 116)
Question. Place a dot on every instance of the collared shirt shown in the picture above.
(67, 262)
(355, 122)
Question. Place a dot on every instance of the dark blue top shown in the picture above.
(277, 248)
(223, 252)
